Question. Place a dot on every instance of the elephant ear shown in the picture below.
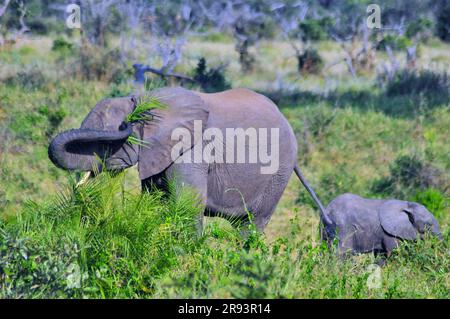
(423, 219)
(182, 108)
(395, 220)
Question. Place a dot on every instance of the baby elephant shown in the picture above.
(374, 225)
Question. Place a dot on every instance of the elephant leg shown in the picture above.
(156, 181)
(389, 243)
(381, 257)
(194, 176)
(270, 198)
(347, 242)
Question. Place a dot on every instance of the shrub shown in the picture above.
(37, 124)
(428, 83)
(319, 120)
(30, 78)
(121, 76)
(313, 128)
(398, 43)
(257, 271)
(96, 63)
(408, 174)
(118, 90)
(433, 200)
(61, 45)
(314, 30)
(38, 26)
(54, 118)
(310, 62)
(246, 59)
(212, 80)
(30, 269)
(90, 241)
(443, 22)
(419, 27)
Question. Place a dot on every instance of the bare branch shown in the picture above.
(4, 7)
(139, 71)
(23, 27)
(2, 12)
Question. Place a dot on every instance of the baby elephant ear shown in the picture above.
(395, 221)
(181, 108)
(422, 219)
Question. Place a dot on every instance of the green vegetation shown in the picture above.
(210, 80)
(96, 240)
(431, 85)
(373, 135)
(99, 240)
(143, 106)
(310, 62)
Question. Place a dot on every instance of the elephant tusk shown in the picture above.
(83, 179)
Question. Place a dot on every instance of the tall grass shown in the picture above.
(117, 243)
(303, 269)
(100, 241)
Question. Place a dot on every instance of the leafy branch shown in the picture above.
(141, 114)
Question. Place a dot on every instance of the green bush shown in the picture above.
(120, 244)
(433, 200)
(397, 43)
(62, 46)
(310, 62)
(443, 21)
(212, 80)
(95, 63)
(30, 269)
(419, 27)
(118, 90)
(29, 78)
(408, 174)
(28, 126)
(314, 29)
(38, 124)
(430, 84)
(54, 118)
(38, 26)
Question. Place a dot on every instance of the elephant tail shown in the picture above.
(323, 216)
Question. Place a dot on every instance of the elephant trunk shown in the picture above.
(78, 149)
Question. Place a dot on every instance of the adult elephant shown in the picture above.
(228, 187)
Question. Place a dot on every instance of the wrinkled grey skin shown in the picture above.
(374, 225)
(223, 188)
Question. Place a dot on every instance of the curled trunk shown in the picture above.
(84, 149)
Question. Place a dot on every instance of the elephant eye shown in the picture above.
(122, 126)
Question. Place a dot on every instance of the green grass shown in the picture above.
(105, 239)
(96, 240)
(100, 241)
